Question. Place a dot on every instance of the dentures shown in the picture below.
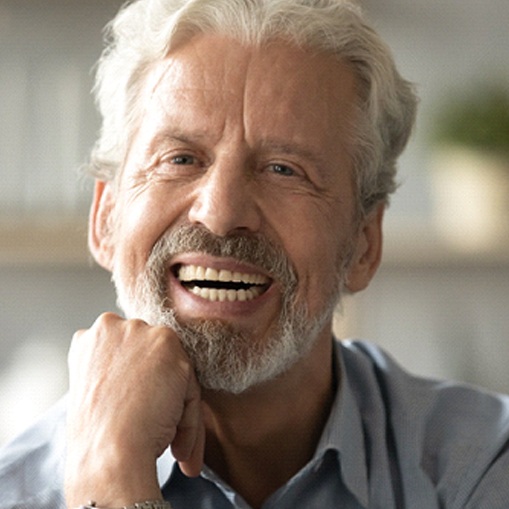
(222, 285)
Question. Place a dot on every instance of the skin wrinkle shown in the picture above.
(146, 93)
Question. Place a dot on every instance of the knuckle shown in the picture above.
(76, 345)
(78, 335)
(136, 323)
(106, 320)
(76, 340)
(134, 327)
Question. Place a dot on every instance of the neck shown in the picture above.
(258, 440)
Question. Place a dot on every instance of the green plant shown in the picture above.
(479, 120)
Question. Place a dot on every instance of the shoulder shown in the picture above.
(31, 466)
(440, 403)
(453, 434)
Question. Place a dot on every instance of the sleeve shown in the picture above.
(31, 466)
(492, 490)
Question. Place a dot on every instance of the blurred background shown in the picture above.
(440, 302)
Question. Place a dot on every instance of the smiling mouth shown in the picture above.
(221, 285)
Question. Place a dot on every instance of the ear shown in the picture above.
(368, 251)
(100, 227)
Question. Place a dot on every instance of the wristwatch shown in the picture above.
(150, 504)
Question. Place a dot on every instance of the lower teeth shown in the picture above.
(222, 295)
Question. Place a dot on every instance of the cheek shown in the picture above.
(139, 224)
(315, 233)
(317, 268)
(147, 214)
(315, 251)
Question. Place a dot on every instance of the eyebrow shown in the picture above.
(289, 148)
(175, 135)
(165, 136)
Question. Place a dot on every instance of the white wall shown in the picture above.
(40, 309)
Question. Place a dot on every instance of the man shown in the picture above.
(247, 154)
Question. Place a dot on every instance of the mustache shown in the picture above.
(252, 248)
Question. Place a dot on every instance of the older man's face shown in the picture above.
(242, 142)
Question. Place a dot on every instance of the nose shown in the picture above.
(225, 200)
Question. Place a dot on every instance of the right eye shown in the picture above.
(183, 159)
(283, 170)
(177, 164)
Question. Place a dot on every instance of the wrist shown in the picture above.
(112, 480)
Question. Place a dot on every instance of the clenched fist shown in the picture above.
(133, 392)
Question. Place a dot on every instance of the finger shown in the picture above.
(193, 466)
(188, 444)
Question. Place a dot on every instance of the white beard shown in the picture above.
(226, 359)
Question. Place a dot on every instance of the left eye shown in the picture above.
(282, 169)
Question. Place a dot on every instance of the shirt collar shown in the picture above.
(165, 465)
(342, 433)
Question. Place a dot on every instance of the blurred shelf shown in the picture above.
(44, 243)
(421, 246)
(54, 243)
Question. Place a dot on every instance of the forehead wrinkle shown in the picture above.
(172, 134)
(214, 103)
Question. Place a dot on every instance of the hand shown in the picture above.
(132, 393)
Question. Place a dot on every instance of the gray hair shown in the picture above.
(146, 31)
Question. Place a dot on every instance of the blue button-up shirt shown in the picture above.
(392, 441)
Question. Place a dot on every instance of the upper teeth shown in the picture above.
(197, 273)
